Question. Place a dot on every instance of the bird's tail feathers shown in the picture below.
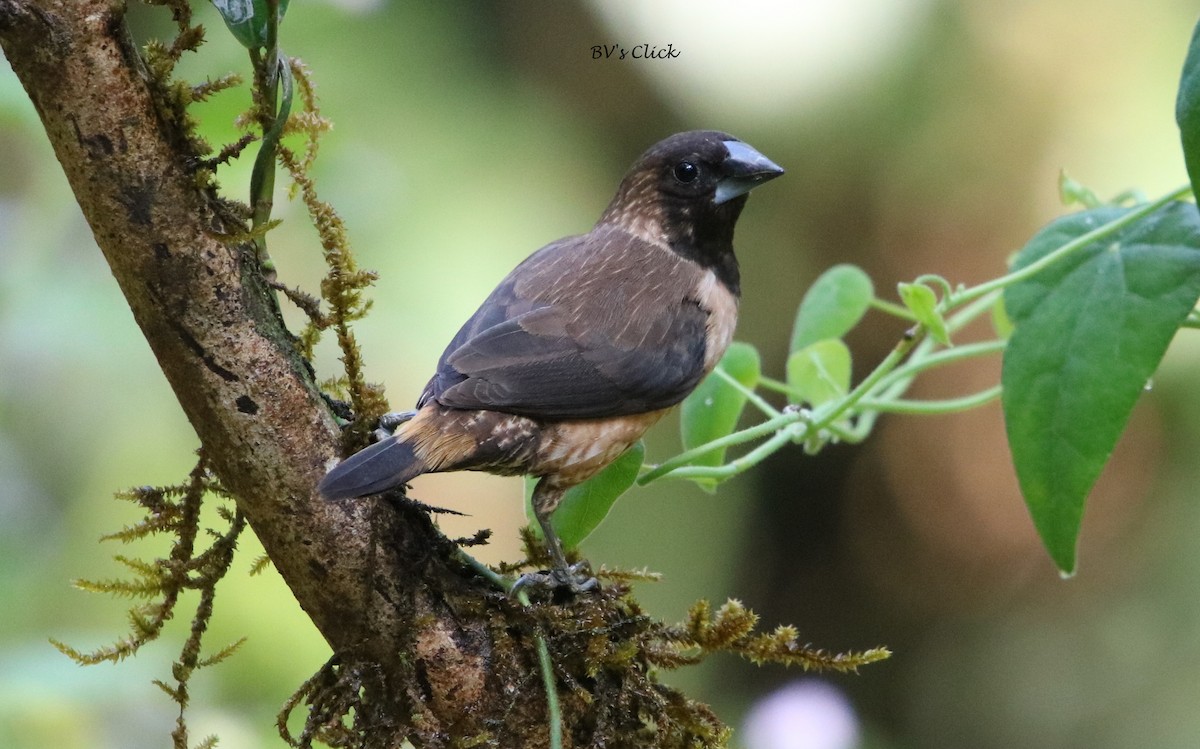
(384, 465)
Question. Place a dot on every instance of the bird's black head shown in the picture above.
(687, 191)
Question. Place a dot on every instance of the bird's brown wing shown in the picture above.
(598, 325)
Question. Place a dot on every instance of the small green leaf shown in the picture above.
(1071, 192)
(1089, 333)
(247, 19)
(583, 507)
(713, 408)
(922, 302)
(819, 372)
(832, 306)
(1187, 110)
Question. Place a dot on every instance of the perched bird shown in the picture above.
(589, 341)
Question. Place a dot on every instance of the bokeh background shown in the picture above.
(919, 136)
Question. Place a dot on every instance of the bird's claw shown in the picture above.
(574, 580)
(389, 421)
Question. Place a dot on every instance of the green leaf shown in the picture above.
(819, 372)
(1089, 333)
(1187, 110)
(713, 408)
(1071, 192)
(832, 306)
(247, 19)
(583, 507)
(922, 302)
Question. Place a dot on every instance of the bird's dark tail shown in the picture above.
(386, 464)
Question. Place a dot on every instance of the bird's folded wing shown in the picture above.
(585, 360)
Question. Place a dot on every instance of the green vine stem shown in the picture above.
(271, 71)
(933, 407)
(915, 365)
(1100, 232)
(759, 402)
(852, 417)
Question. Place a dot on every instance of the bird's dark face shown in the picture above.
(687, 191)
(707, 168)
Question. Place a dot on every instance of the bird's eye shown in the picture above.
(686, 171)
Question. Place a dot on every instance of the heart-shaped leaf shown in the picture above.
(819, 372)
(1187, 110)
(1089, 332)
(832, 306)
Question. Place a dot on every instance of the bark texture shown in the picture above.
(372, 576)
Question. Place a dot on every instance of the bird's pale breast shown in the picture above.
(722, 308)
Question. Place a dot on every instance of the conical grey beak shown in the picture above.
(745, 169)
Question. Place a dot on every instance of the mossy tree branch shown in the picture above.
(371, 576)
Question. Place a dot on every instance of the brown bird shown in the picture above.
(589, 341)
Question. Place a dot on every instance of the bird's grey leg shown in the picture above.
(574, 576)
(553, 545)
(545, 500)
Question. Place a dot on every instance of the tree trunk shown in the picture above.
(374, 577)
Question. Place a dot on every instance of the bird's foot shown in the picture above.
(389, 421)
(572, 580)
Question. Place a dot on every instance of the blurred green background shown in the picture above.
(919, 136)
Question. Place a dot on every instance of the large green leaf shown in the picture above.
(1089, 333)
(713, 409)
(583, 507)
(832, 305)
(1187, 110)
